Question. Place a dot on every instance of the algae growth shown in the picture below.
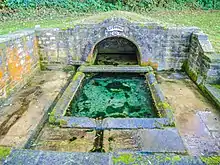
(114, 96)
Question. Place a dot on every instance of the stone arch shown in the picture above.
(92, 54)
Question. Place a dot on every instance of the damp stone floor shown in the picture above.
(197, 122)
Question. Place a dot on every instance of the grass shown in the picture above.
(216, 86)
(208, 21)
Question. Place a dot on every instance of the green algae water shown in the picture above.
(117, 96)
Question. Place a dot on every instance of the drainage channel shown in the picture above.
(98, 143)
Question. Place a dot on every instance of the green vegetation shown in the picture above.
(124, 158)
(216, 86)
(106, 5)
(206, 20)
(4, 152)
(212, 160)
(52, 118)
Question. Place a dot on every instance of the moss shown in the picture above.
(164, 105)
(190, 72)
(161, 159)
(52, 118)
(142, 24)
(124, 158)
(212, 160)
(165, 28)
(150, 27)
(216, 86)
(41, 63)
(69, 68)
(77, 75)
(4, 152)
(63, 122)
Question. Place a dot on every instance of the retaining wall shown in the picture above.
(18, 61)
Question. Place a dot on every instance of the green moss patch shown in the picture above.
(4, 152)
(216, 86)
(212, 160)
(124, 158)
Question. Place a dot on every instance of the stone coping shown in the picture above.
(113, 123)
(34, 157)
(213, 92)
(57, 116)
(112, 69)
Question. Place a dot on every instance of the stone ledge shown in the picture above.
(163, 108)
(61, 106)
(118, 69)
(213, 92)
(114, 123)
(27, 157)
(16, 35)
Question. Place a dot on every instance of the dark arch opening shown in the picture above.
(116, 51)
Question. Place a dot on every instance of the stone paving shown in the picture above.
(39, 94)
(197, 132)
(27, 157)
(197, 120)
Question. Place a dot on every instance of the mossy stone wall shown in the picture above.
(159, 46)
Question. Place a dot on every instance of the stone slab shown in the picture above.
(161, 140)
(211, 120)
(134, 123)
(68, 95)
(78, 122)
(114, 123)
(110, 68)
(26, 157)
(214, 93)
(202, 146)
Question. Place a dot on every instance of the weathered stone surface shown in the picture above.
(211, 120)
(165, 47)
(26, 157)
(157, 140)
(29, 108)
(120, 69)
(63, 103)
(213, 92)
(203, 63)
(134, 123)
(78, 122)
(18, 61)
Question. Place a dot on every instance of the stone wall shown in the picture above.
(116, 45)
(160, 46)
(203, 65)
(18, 60)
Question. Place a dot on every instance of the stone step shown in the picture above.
(118, 69)
(33, 157)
